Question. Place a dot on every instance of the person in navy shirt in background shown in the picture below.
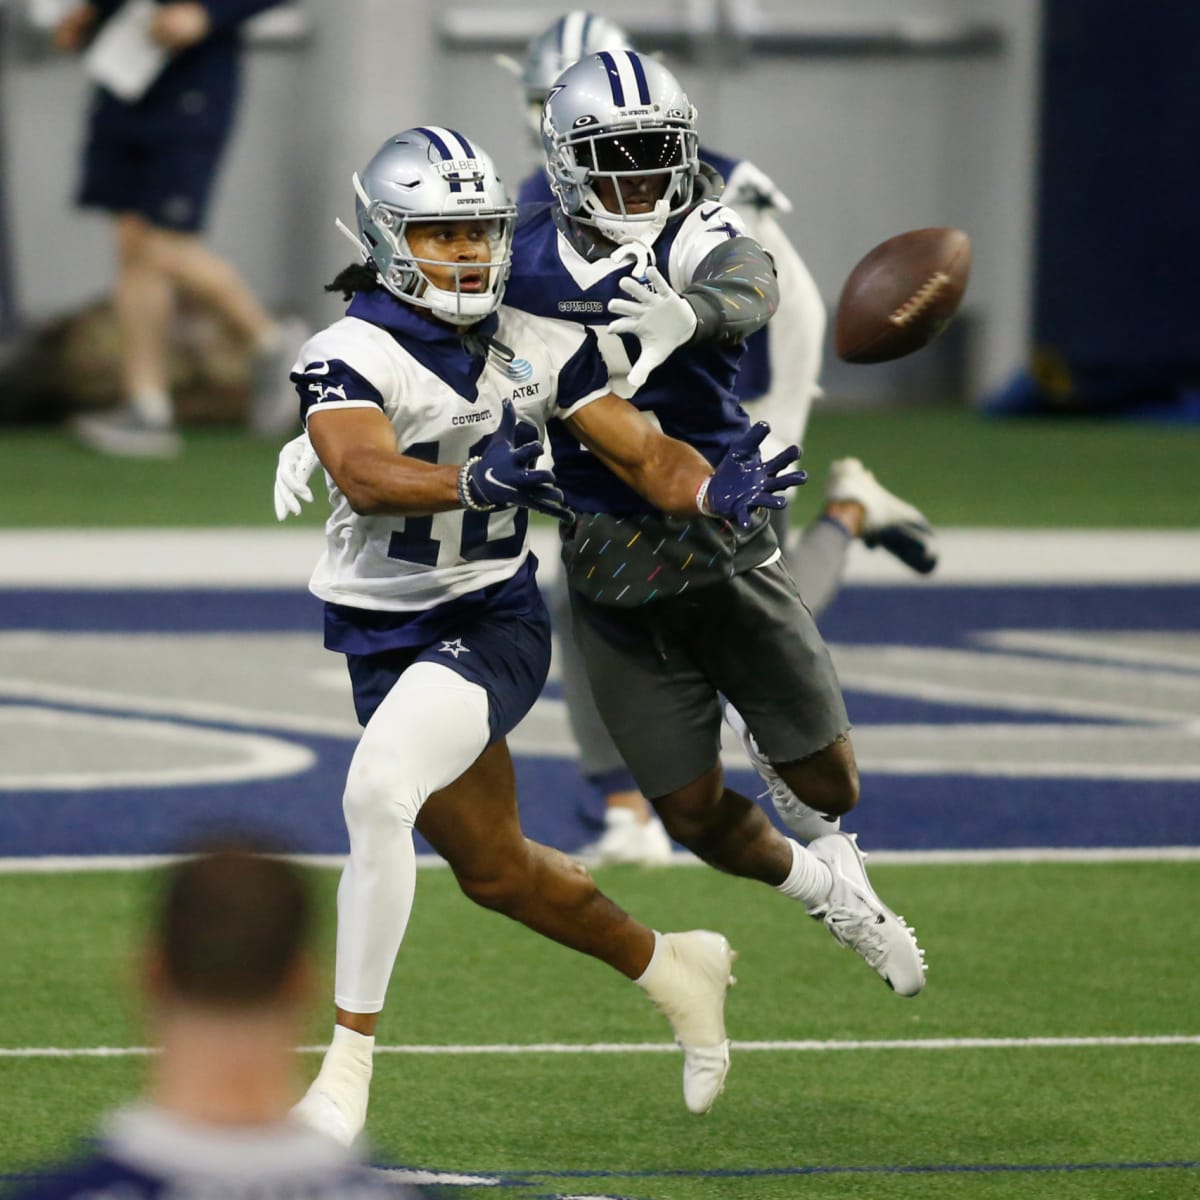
(151, 161)
(228, 980)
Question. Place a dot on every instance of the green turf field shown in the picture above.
(1015, 951)
(960, 467)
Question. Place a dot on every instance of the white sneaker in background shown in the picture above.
(858, 919)
(806, 823)
(274, 405)
(687, 982)
(627, 840)
(125, 433)
(888, 521)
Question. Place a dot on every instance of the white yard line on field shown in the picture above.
(283, 558)
(65, 863)
(1013, 1043)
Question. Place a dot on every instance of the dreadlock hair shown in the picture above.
(357, 277)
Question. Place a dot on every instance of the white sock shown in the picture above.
(654, 959)
(361, 1045)
(153, 405)
(809, 880)
(349, 1058)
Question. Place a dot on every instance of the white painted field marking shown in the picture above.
(806, 1047)
(163, 706)
(237, 757)
(284, 558)
(65, 863)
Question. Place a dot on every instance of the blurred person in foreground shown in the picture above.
(151, 161)
(776, 383)
(227, 981)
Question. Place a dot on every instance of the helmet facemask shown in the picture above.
(626, 155)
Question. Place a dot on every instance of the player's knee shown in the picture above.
(502, 891)
(826, 781)
(378, 794)
(688, 812)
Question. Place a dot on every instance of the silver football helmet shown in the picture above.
(573, 36)
(432, 174)
(620, 117)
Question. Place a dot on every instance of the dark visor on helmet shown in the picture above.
(638, 151)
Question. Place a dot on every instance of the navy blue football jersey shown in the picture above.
(692, 396)
(754, 372)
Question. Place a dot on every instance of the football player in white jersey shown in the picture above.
(426, 405)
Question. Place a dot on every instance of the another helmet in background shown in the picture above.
(621, 116)
(576, 35)
(432, 174)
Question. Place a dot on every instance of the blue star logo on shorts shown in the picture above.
(455, 647)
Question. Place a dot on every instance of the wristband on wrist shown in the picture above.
(465, 499)
(702, 497)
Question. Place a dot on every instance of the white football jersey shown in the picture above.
(398, 563)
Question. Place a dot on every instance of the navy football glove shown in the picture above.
(501, 476)
(742, 480)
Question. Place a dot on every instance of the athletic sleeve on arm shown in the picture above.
(725, 275)
(734, 292)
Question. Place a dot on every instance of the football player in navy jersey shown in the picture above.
(776, 382)
(227, 976)
(689, 611)
(426, 404)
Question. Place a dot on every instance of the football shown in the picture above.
(902, 295)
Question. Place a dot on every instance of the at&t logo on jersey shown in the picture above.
(519, 369)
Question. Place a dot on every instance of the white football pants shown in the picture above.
(429, 729)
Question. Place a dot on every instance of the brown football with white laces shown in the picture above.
(902, 295)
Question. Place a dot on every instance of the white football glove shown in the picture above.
(658, 316)
(297, 461)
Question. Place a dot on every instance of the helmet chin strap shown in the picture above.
(637, 252)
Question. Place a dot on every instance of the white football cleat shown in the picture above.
(888, 521)
(691, 975)
(806, 823)
(857, 918)
(627, 840)
(336, 1101)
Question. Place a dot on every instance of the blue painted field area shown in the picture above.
(985, 717)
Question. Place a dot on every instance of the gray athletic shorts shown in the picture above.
(656, 672)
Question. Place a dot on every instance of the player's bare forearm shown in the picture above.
(357, 446)
(663, 470)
